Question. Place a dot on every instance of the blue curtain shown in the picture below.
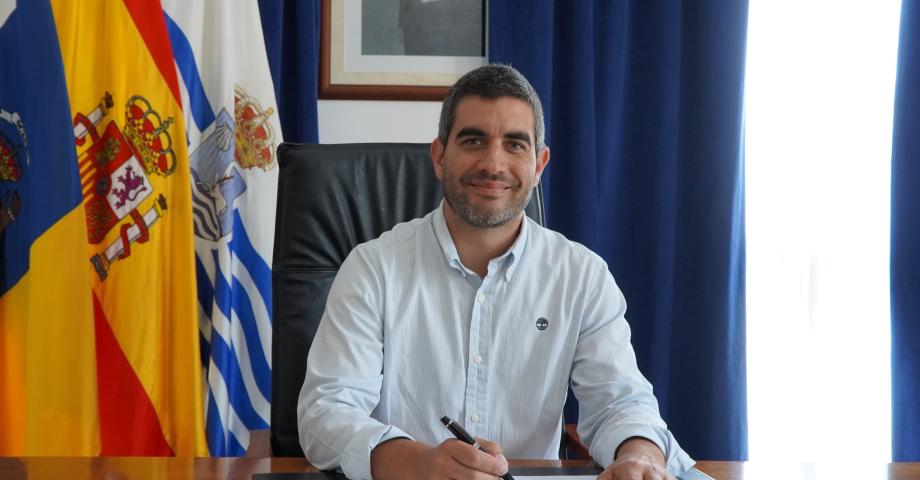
(905, 243)
(644, 118)
(291, 30)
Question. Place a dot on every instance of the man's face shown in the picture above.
(489, 166)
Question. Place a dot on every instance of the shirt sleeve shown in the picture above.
(615, 400)
(344, 375)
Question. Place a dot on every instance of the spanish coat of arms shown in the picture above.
(115, 172)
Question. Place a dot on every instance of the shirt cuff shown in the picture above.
(356, 459)
(676, 459)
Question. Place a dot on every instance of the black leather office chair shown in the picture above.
(330, 199)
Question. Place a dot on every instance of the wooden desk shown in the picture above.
(131, 468)
(140, 468)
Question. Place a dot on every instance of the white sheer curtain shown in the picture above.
(818, 109)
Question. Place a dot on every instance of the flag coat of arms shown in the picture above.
(233, 130)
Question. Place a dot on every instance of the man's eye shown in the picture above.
(472, 141)
(517, 146)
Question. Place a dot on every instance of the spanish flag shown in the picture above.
(135, 180)
(136, 379)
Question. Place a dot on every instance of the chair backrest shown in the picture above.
(330, 199)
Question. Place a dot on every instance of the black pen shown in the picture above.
(465, 437)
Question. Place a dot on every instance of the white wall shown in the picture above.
(349, 121)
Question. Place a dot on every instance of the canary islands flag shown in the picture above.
(48, 395)
(232, 129)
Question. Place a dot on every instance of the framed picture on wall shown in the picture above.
(399, 49)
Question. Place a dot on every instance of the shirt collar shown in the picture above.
(510, 258)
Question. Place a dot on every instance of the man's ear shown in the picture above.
(437, 157)
(542, 160)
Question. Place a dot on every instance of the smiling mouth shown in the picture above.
(490, 188)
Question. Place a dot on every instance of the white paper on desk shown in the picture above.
(692, 474)
(556, 477)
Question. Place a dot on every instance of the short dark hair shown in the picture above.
(492, 81)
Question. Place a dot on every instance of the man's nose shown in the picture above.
(493, 158)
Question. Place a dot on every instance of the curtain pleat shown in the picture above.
(905, 243)
(292, 30)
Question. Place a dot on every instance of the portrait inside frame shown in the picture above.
(399, 49)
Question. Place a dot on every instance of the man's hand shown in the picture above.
(404, 459)
(637, 459)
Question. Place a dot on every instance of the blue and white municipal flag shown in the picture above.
(232, 121)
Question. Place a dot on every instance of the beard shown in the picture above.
(482, 216)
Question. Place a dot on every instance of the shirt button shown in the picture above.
(477, 359)
(474, 418)
(482, 298)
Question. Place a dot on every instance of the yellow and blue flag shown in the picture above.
(48, 388)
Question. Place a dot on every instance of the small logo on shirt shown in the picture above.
(542, 323)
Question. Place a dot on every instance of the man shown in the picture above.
(477, 312)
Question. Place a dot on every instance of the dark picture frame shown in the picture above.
(347, 73)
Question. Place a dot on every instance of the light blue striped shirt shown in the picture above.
(410, 334)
